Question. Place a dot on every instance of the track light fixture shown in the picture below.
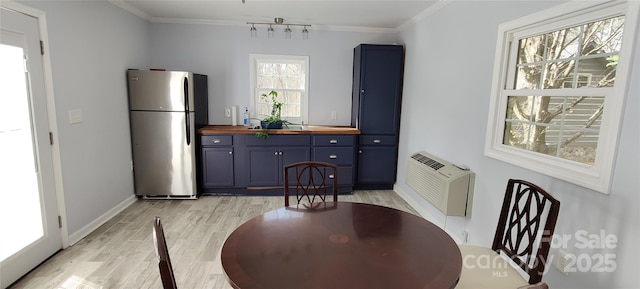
(279, 22)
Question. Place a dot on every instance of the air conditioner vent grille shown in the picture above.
(428, 161)
(447, 187)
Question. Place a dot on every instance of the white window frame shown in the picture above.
(597, 176)
(255, 96)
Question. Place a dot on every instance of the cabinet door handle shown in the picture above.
(333, 156)
(279, 153)
(333, 141)
(376, 141)
(230, 153)
(359, 151)
(216, 141)
(275, 153)
(331, 176)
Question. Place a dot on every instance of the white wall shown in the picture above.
(92, 43)
(222, 52)
(448, 68)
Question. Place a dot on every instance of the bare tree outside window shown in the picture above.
(288, 79)
(556, 117)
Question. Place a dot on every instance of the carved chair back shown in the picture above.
(310, 181)
(526, 225)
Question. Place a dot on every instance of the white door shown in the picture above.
(28, 209)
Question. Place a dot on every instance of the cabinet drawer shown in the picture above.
(341, 156)
(333, 140)
(377, 140)
(280, 140)
(345, 176)
(216, 140)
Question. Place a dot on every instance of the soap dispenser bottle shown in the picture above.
(245, 122)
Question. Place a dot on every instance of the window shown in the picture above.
(289, 76)
(558, 91)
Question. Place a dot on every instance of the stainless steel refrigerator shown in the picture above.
(165, 110)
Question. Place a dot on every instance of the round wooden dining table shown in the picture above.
(336, 245)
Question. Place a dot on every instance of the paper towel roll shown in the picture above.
(234, 118)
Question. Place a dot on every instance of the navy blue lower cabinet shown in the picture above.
(265, 163)
(217, 160)
(218, 167)
(262, 166)
(340, 151)
(266, 158)
(376, 167)
(243, 164)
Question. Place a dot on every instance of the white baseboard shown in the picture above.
(411, 201)
(424, 212)
(86, 230)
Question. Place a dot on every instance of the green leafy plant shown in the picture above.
(274, 119)
(262, 134)
(276, 106)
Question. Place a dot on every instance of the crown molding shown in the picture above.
(131, 9)
(242, 23)
(431, 9)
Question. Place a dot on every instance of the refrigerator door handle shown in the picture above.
(186, 110)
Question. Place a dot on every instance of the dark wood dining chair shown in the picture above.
(523, 235)
(162, 253)
(311, 181)
(314, 207)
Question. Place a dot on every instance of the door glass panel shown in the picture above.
(20, 209)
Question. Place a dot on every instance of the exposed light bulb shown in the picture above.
(254, 31)
(270, 32)
(287, 32)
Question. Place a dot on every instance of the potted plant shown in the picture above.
(274, 120)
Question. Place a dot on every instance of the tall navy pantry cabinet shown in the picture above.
(377, 94)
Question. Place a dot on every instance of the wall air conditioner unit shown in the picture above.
(446, 186)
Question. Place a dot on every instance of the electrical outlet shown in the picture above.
(334, 115)
(75, 116)
(562, 264)
(465, 236)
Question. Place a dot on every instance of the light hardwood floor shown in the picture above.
(120, 253)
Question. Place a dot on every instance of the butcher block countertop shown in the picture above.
(293, 129)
